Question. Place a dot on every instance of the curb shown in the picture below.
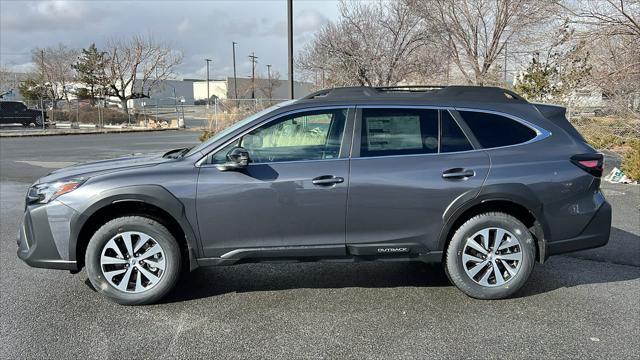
(78, 132)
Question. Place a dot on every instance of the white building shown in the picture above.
(224, 89)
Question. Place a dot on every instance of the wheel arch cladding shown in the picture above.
(152, 201)
(523, 205)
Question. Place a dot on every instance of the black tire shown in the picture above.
(160, 234)
(454, 264)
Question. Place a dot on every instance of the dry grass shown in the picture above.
(620, 135)
(220, 122)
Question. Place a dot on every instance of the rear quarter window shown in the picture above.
(494, 130)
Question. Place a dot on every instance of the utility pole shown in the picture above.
(208, 96)
(269, 79)
(254, 60)
(290, 47)
(235, 81)
(44, 87)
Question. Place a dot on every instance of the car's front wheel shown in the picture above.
(490, 256)
(133, 260)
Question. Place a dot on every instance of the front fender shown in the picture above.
(155, 195)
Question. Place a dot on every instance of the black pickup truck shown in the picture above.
(16, 112)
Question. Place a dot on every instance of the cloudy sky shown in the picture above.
(199, 29)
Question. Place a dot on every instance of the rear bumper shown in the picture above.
(43, 237)
(594, 235)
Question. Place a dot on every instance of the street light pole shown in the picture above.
(269, 80)
(290, 47)
(235, 81)
(208, 96)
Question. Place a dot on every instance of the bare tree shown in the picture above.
(272, 81)
(612, 28)
(605, 18)
(136, 66)
(372, 44)
(8, 81)
(477, 32)
(53, 71)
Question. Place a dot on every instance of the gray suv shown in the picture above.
(474, 177)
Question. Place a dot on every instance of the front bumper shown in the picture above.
(43, 239)
(595, 234)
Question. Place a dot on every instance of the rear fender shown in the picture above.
(515, 193)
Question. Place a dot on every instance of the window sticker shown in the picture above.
(393, 133)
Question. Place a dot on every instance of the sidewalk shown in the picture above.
(59, 132)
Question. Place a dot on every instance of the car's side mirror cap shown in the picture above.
(237, 159)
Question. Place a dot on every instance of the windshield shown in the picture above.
(236, 126)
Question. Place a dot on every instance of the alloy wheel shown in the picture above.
(132, 262)
(492, 257)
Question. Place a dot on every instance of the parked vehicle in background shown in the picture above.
(474, 177)
(16, 112)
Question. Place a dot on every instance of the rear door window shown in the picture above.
(494, 130)
(398, 132)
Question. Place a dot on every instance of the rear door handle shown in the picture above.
(327, 180)
(457, 173)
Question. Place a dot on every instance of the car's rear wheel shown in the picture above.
(35, 122)
(490, 256)
(133, 260)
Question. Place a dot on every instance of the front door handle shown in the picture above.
(327, 180)
(457, 174)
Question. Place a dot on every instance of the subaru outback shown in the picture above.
(475, 178)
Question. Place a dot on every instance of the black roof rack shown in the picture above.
(410, 88)
(453, 92)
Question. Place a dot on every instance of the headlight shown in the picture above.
(43, 193)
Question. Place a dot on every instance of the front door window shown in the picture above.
(314, 135)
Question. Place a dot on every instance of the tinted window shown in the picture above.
(451, 136)
(9, 106)
(399, 132)
(314, 135)
(494, 130)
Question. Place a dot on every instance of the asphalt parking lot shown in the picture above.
(583, 305)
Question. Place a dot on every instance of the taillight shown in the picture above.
(591, 163)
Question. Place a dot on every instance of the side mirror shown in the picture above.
(237, 159)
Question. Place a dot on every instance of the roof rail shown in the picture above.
(347, 91)
(409, 88)
(469, 93)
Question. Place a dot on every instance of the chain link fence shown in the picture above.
(222, 113)
(149, 113)
(145, 113)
